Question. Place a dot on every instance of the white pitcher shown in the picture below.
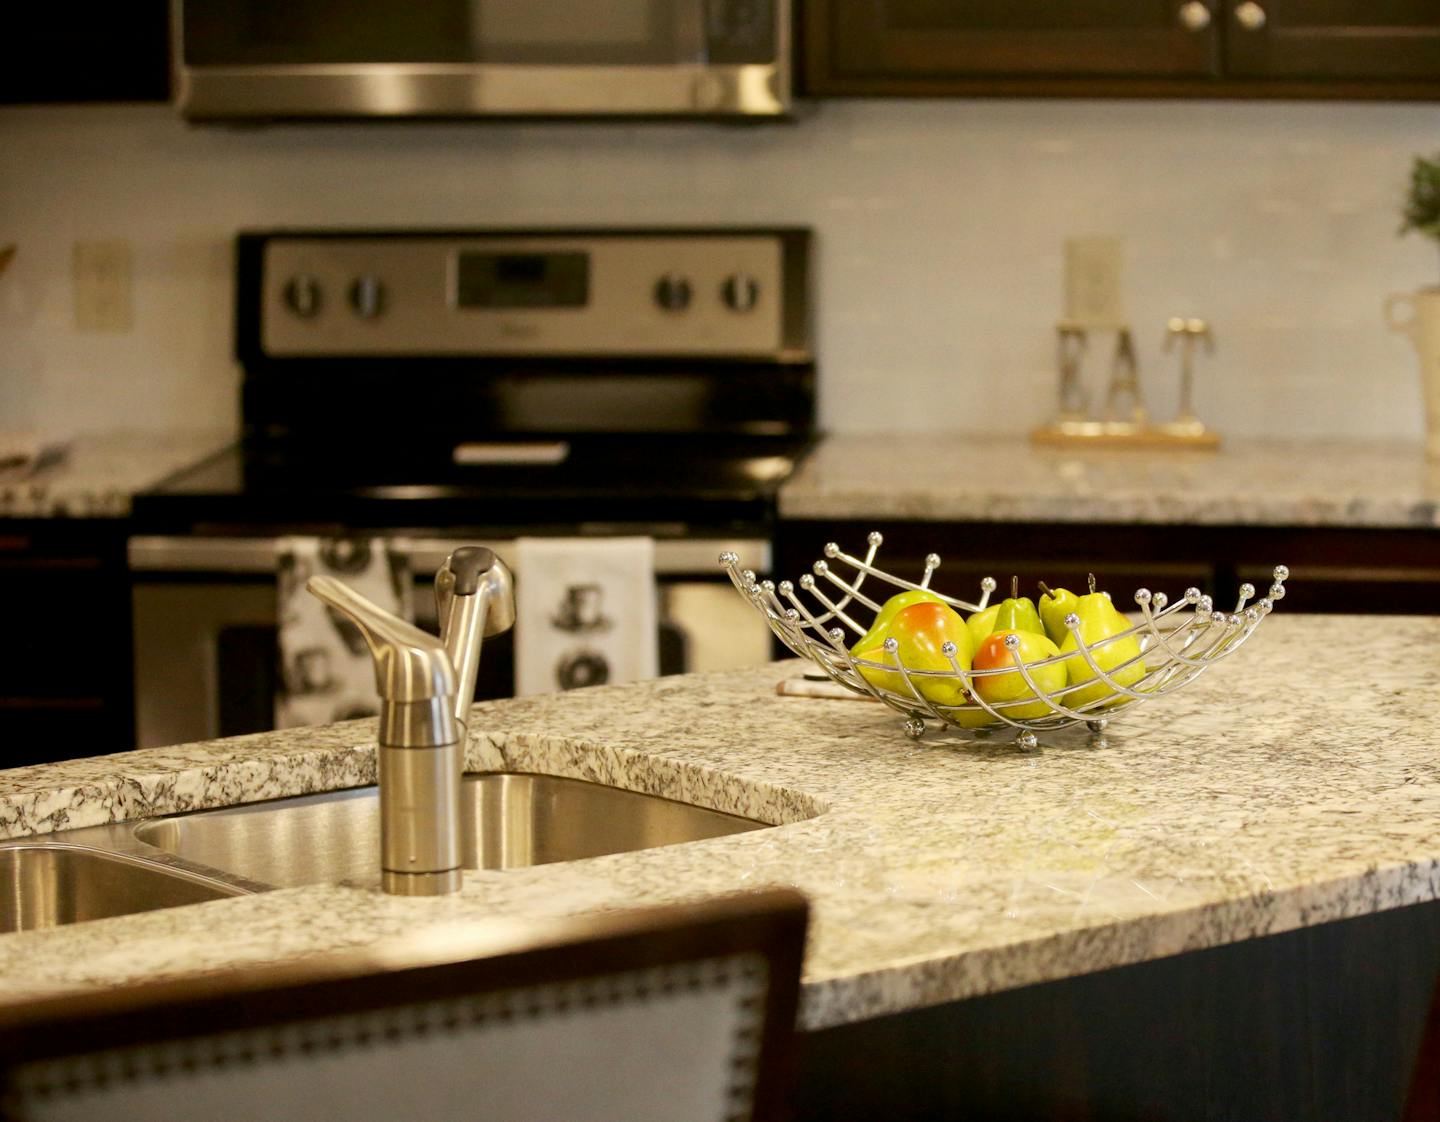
(1422, 324)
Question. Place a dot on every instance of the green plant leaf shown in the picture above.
(1422, 201)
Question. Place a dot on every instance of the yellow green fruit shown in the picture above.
(920, 633)
(888, 611)
(1017, 613)
(1034, 647)
(1055, 605)
(982, 623)
(1099, 620)
(973, 718)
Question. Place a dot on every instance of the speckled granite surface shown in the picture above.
(1294, 483)
(1296, 783)
(101, 472)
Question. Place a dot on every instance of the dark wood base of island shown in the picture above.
(1319, 1024)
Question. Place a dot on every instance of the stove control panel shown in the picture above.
(589, 294)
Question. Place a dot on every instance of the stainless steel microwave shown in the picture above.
(281, 60)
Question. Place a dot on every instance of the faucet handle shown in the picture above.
(467, 565)
(459, 576)
(410, 664)
(469, 571)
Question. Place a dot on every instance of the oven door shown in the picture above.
(463, 58)
(205, 626)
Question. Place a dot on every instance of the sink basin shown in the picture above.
(509, 820)
(50, 885)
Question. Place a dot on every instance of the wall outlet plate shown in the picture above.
(102, 277)
(1093, 282)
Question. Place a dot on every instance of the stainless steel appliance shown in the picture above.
(264, 59)
(433, 388)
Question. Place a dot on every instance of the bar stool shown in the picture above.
(677, 1013)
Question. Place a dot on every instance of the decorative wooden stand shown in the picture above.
(1125, 434)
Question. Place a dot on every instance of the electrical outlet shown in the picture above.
(102, 285)
(1092, 282)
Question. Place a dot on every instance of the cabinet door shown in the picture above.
(1333, 39)
(66, 689)
(994, 46)
(79, 53)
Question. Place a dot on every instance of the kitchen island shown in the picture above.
(1289, 789)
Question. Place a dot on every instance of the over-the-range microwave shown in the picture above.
(258, 60)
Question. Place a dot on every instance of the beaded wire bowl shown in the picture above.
(1176, 647)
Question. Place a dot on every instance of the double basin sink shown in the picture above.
(509, 820)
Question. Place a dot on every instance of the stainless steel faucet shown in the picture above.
(425, 688)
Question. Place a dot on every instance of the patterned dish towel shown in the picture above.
(326, 670)
(585, 612)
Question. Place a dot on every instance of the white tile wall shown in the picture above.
(940, 229)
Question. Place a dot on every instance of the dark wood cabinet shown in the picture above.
(1124, 48)
(1323, 40)
(1332, 569)
(85, 52)
(939, 41)
(67, 688)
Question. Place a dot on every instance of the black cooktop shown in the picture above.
(667, 484)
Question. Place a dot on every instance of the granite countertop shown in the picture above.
(1296, 783)
(101, 471)
(1246, 482)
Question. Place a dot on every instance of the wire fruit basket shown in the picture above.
(1177, 642)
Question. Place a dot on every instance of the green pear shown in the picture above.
(1055, 605)
(1099, 620)
(994, 655)
(982, 624)
(921, 631)
(888, 611)
(1018, 612)
(973, 717)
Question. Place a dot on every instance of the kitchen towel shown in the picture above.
(326, 672)
(585, 612)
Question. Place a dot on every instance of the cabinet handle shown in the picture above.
(1194, 16)
(1250, 15)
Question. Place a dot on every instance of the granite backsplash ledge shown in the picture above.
(98, 473)
(928, 477)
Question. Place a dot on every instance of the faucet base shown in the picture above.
(420, 829)
(421, 884)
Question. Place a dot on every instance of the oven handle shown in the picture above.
(260, 556)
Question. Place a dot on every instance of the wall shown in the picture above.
(940, 229)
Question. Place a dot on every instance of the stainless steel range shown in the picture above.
(426, 387)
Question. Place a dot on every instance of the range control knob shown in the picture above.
(672, 292)
(367, 297)
(740, 292)
(302, 296)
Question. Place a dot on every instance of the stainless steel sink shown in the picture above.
(46, 885)
(510, 820)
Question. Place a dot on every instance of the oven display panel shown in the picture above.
(486, 279)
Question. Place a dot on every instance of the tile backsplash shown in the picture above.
(940, 235)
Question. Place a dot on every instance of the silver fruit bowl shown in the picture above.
(1177, 642)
